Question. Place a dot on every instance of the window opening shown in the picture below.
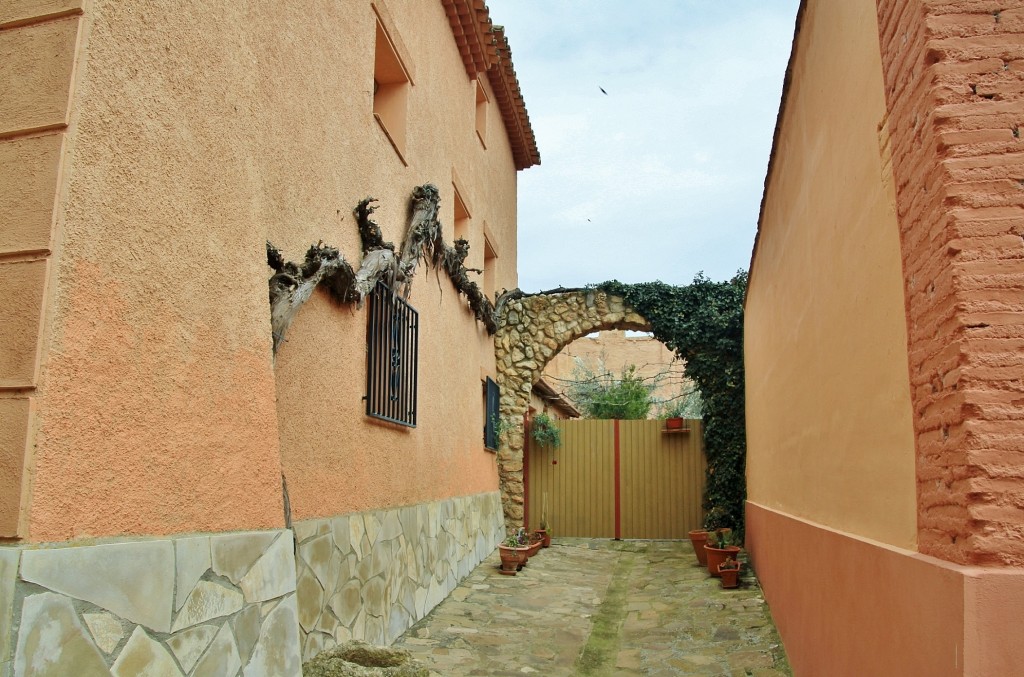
(392, 353)
(390, 91)
(462, 217)
(490, 269)
(492, 410)
(481, 112)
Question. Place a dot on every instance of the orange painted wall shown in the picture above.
(335, 458)
(39, 47)
(156, 398)
(850, 606)
(195, 134)
(829, 429)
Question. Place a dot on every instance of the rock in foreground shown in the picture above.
(359, 659)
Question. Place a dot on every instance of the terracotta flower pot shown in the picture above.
(718, 555)
(509, 560)
(698, 537)
(674, 423)
(545, 536)
(730, 577)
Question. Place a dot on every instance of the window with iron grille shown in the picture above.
(392, 343)
(492, 410)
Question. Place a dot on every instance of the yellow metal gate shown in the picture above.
(618, 479)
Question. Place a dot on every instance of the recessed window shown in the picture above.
(481, 112)
(461, 216)
(390, 91)
(490, 269)
(392, 353)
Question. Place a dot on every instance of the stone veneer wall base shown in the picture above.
(218, 604)
(370, 576)
(238, 603)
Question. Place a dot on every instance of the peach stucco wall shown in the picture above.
(180, 139)
(336, 460)
(829, 427)
(195, 134)
(156, 397)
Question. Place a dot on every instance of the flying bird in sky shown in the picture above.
(602, 90)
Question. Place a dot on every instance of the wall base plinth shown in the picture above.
(845, 605)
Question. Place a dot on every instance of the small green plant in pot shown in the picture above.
(729, 571)
(544, 431)
(718, 548)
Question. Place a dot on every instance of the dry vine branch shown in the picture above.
(292, 284)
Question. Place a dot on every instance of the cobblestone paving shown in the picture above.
(600, 607)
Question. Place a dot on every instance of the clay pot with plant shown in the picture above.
(544, 533)
(511, 558)
(515, 549)
(544, 432)
(729, 571)
(718, 548)
(698, 537)
(545, 528)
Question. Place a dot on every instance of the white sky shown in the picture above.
(662, 177)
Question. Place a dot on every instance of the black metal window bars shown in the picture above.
(492, 410)
(392, 354)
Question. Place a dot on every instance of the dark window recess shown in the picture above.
(492, 411)
(392, 340)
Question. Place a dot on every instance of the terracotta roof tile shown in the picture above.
(484, 49)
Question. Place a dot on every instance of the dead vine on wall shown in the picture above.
(293, 283)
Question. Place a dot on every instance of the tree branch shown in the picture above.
(292, 284)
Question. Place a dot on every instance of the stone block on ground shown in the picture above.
(359, 659)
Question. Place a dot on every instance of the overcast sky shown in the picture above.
(662, 177)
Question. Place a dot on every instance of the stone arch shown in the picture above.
(532, 330)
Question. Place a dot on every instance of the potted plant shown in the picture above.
(675, 423)
(698, 537)
(544, 533)
(508, 550)
(729, 571)
(523, 546)
(536, 542)
(718, 548)
(544, 431)
(544, 530)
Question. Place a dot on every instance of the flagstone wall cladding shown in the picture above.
(370, 576)
(954, 83)
(531, 331)
(197, 606)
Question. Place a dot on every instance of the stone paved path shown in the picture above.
(600, 607)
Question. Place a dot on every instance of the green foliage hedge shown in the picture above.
(703, 323)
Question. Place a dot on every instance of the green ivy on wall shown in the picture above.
(703, 324)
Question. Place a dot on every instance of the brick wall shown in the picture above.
(954, 81)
